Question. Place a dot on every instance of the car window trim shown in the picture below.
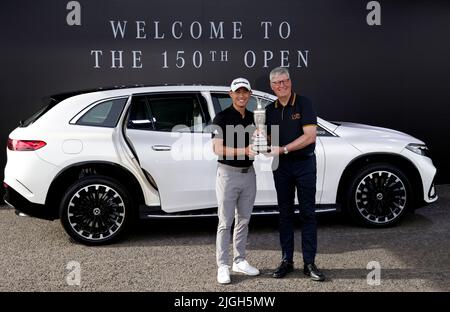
(202, 101)
(127, 113)
(73, 121)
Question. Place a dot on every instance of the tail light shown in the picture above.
(25, 145)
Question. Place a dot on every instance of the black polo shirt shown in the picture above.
(291, 119)
(234, 137)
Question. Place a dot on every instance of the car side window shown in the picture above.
(105, 114)
(223, 100)
(184, 112)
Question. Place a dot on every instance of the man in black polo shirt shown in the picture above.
(296, 168)
(236, 180)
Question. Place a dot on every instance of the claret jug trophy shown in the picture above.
(259, 139)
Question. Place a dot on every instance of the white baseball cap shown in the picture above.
(240, 83)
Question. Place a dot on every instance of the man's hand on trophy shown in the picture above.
(275, 151)
(249, 151)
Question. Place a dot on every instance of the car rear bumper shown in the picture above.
(20, 203)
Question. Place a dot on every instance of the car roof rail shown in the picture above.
(56, 98)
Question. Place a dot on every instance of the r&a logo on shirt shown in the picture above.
(295, 116)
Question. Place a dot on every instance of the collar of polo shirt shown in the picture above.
(291, 100)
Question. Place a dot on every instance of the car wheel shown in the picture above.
(96, 210)
(378, 195)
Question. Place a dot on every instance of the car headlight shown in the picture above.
(420, 149)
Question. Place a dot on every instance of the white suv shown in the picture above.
(98, 159)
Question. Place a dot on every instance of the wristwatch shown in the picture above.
(285, 150)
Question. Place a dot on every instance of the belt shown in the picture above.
(235, 169)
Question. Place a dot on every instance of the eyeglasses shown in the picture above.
(280, 82)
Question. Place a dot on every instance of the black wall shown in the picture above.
(391, 75)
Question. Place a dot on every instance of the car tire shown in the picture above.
(378, 195)
(96, 210)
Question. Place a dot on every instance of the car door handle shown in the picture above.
(161, 148)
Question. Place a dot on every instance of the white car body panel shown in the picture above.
(426, 170)
(338, 155)
(30, 175)
(184, 182)
(370, 139)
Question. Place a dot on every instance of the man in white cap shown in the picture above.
(236, 180)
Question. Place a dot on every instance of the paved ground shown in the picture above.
(179, 256)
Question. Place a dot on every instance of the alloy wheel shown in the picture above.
(96, 212)
(380, 197)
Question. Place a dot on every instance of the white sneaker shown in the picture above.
(245, 267)
(223, 275)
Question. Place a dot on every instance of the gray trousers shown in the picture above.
(236, 192)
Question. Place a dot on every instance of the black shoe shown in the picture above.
(284, 268)
(312, 271)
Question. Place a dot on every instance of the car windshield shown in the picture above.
(334, 123)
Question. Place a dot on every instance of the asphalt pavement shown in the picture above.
(179, 255)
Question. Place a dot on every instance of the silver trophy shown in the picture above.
(259, 138)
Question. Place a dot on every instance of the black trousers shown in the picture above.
(300, 174)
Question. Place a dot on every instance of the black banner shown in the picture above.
(383, 63)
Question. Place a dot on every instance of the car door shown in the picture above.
(166, 132)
